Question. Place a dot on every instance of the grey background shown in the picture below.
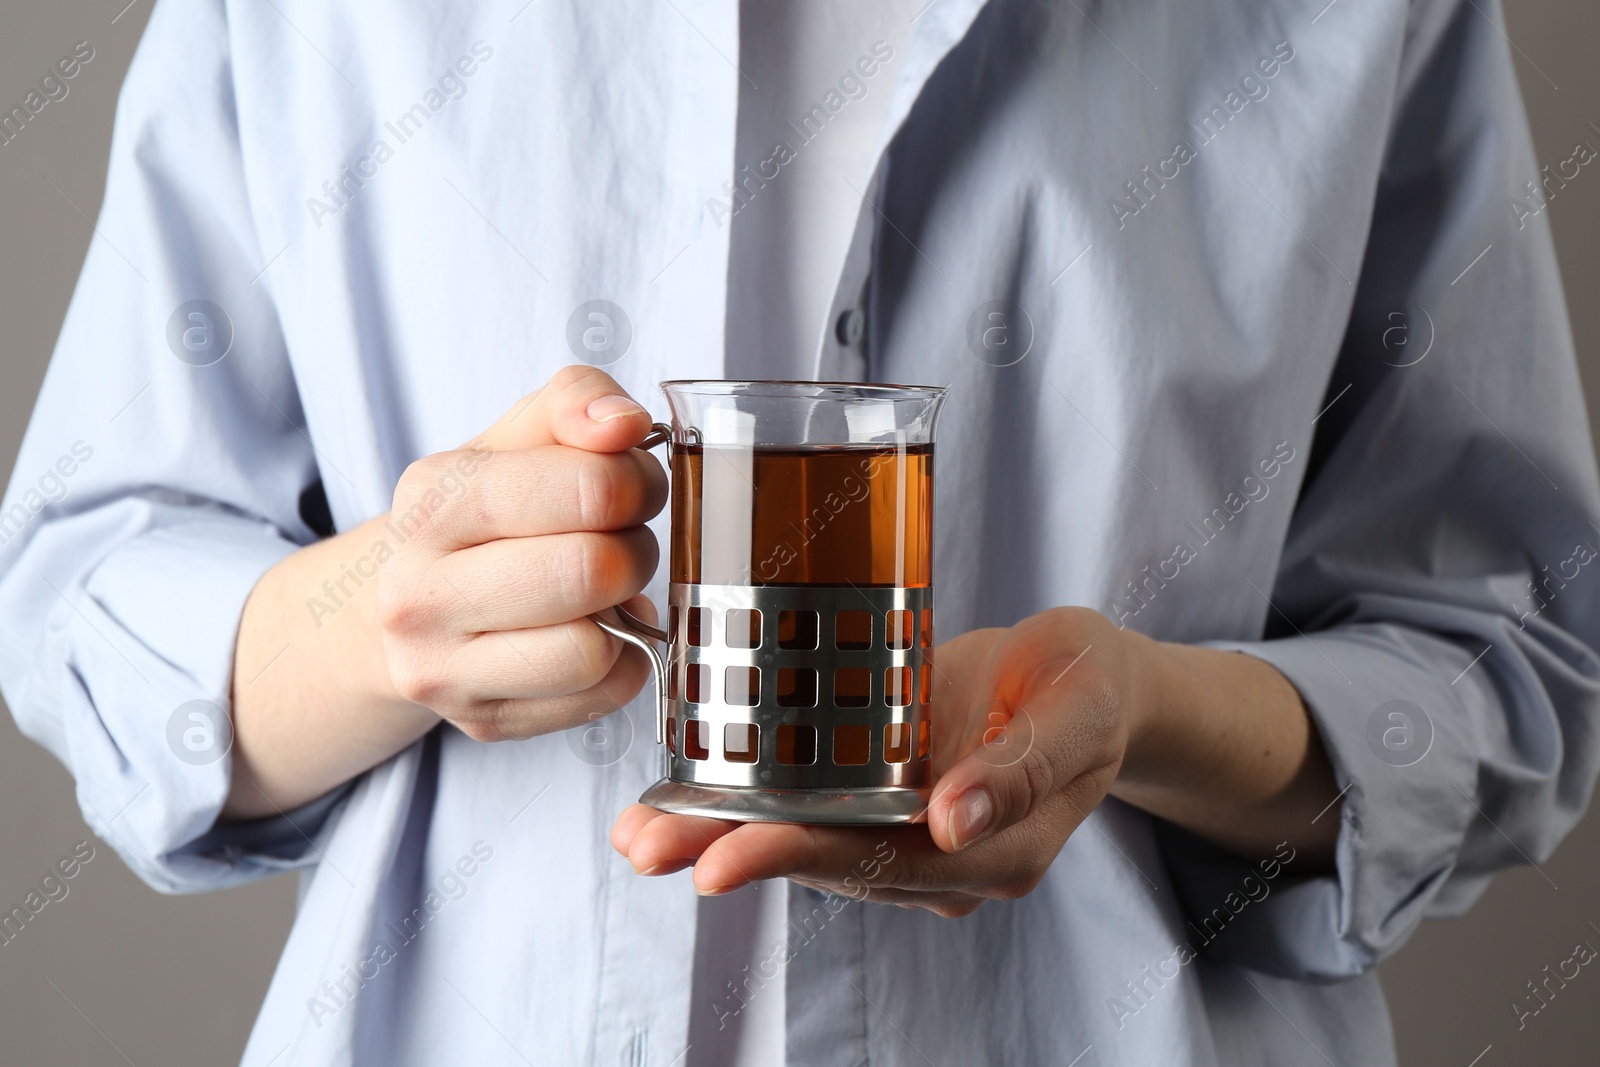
(117, 974)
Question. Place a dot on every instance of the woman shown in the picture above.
(1265, 489)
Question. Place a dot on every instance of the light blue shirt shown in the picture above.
(1289, 370)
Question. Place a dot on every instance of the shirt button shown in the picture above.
(851, 326)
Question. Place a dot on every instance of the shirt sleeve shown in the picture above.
(159, 477)
(1435, 604)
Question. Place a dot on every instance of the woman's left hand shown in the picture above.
(1030, 727)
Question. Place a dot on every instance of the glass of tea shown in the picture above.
(797, 676)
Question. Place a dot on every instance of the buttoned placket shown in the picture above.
(827, 1010)
(842, 354)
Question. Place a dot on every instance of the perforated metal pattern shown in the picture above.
(870, 709)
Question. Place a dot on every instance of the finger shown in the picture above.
(958, 667)
(571, 659)
(523, 582)
(674, 839)
(514, 684)
(891, 856)
(452, 500)
(1058, 741)
(628, 825)
(580, 406)
(517, 719)
(863, 860)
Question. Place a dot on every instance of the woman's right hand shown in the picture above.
(486, 570)
(503, 548)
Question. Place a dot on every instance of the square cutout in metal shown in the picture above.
(852, 630)
(852, 744)
(897, 742)
(741, 742)
(927, 627)
(897, 628)
(698, 624)
(897, 686)
(797, 630)
(744, 628)
(852, 687)
(694, 740)
(696, 683)
(797, 745)
(742, 686)
(797, 687)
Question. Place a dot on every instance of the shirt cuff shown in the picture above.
(1402, 741)
(131, 686)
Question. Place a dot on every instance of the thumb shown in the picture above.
(1036, 741)
(581, 407)
(988, 790)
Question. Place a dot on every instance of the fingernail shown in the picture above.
(715, 891)
(614, 406)
(664, 867)
(969, 817)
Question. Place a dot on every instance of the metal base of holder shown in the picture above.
(832, 807)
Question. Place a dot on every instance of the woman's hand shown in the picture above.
(510, 544)
(1033, 726)
(468, 601)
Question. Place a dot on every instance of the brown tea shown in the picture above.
(838, 515)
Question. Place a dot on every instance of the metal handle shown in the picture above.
(634, 630)
(660, 433)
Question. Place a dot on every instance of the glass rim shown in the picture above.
(792, 387)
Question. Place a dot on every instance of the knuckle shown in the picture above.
(570, 375)
(575, 566)
(914, 877)
(574, 384)
(1038, 778)
(418, 475)
(394, 613)
(400, 610)
(604, 567)
(411, 475)
(428, 486)
(416, 679)
(600, 494)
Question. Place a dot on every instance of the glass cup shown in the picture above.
(798, 672)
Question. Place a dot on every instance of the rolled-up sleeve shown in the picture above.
(158, 479)
(1436, 602)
